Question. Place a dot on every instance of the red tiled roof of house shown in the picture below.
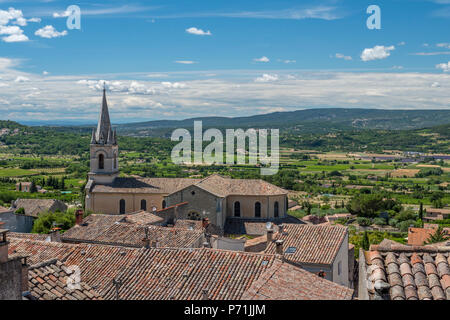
(48, 281)
(31, 236)
(132, 235)
(418, 236)
(167, 273)
(143, 217)
(314, 243)
(398, 272)
(284, 281)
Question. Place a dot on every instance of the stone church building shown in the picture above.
(214, 197)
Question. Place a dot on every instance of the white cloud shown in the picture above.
(402, 43)
(397, 67)
(289, 61)
(174, 85)
(15, 38)
(444, 66)
(443, 45)
(438, 53)
(435, 85)
(45, 73)
(267, 78)
(262, 59)
(50, 32)
(198, 32)
(12, 33)
(341, 56)
(185, 61)
(21, 79)
(377, 52)
(61, 14)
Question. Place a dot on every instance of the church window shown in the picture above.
(101, 161)
(257, 209)
(143, 205)
(164, 204)
(275, 209)
(237, 209)
(115, 161)
(122, 206)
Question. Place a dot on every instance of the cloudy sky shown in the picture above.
(170, 59)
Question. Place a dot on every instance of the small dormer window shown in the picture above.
(193, 193)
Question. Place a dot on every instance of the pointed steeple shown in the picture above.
(104, 124)
(93, 137)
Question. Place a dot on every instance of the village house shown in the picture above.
(436, 214)
(318, 249)
(34, 207)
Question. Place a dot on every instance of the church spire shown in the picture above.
(104, 124)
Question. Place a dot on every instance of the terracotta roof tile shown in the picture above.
(169, 273)
(314, 244)
(411, 275)
(284, 281)
(48, 281)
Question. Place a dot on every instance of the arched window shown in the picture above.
(164, 204)
(257, 209)
(122, 206)
(143, 205)
(275, 209)
(115, 161)
(237, 209)
(101, 161)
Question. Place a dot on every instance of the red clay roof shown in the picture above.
(284, 281)
(169, 273)
(314, 243)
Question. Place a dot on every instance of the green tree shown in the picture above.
(438, 236)
(365, 244)
(33, 188)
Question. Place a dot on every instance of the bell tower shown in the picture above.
(104, 151)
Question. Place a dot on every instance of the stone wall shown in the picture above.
(11, 280)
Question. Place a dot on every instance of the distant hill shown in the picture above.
(309, 120)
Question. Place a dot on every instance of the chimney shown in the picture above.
(3, 245)
(25, 287)
(205, 223)
(279, 246)
(205, 294)
(55, 236)
(79, 217)
(281, 229)
(269, 236)
(321, 274)
(146, 239)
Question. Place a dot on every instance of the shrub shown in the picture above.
(379, 221)
(364, 222)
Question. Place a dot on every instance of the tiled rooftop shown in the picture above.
(33, 207)
(110, 229)
(215, 184)
(132, 235)
(398, 272)
(284, 281)
(144, 185)
(48, 281)
(169, 273)
(314, 244)
(254, 226)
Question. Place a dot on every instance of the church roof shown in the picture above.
(215, 184)
(104, 132)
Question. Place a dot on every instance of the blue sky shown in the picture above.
(177, 59)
